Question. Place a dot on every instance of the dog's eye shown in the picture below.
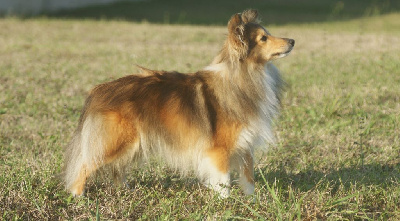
(264, 38)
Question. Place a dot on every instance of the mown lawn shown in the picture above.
(338, 149)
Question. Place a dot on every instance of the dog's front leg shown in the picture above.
(215, 169)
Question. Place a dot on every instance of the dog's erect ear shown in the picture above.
(250, 15)
(235, 25)
(237, 22)
(236, 28)
(237, 45)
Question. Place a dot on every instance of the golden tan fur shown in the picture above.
(205, 122)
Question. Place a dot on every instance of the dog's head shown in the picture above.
(248, 40)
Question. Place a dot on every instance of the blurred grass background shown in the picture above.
(209, 12)
(337, 155)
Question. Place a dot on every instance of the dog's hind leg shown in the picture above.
(120, 163)
(119, 175)
(83, 154)
(104, 139)
(78, 185)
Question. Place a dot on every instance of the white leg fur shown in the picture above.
(220, 182)
(215, 179)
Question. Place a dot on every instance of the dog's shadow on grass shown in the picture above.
(383, 176)
(370, 174)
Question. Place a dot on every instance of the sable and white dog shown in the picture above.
(207, 122)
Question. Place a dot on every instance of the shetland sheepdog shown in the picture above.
(206, 122)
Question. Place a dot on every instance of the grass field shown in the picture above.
(338, 149)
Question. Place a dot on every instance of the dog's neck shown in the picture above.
(239, 86)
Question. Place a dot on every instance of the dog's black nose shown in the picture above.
(291, 42)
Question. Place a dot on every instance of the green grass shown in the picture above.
(338, 148)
